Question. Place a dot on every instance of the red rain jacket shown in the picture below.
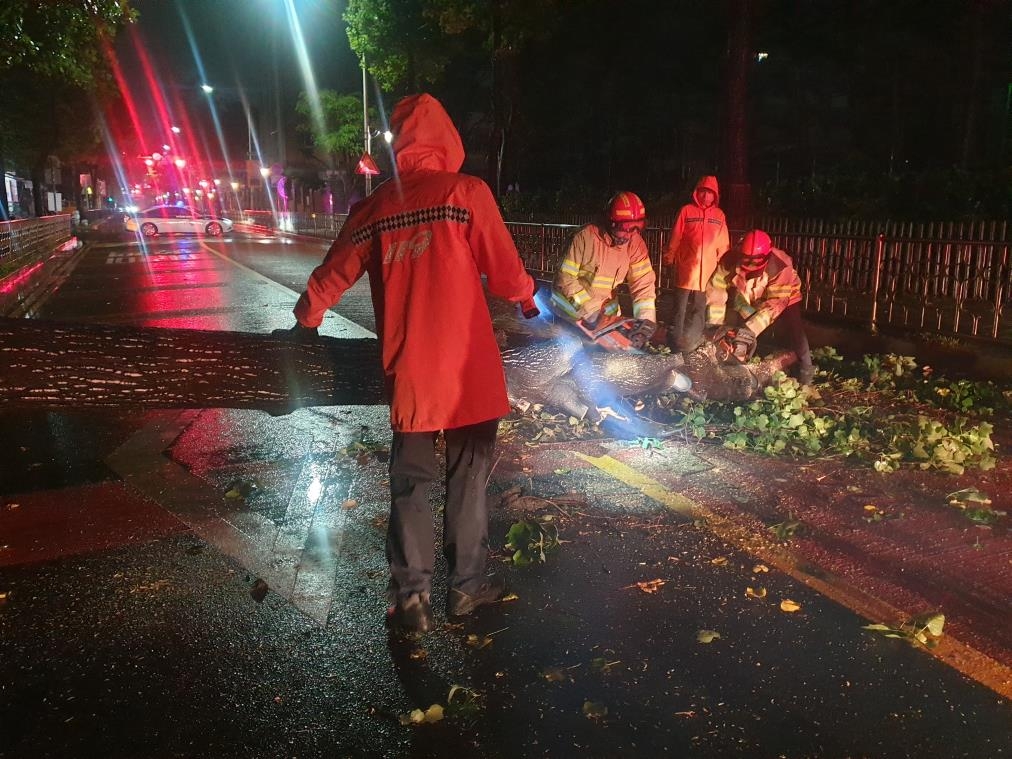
(426, 237)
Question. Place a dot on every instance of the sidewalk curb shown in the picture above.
(51, 274)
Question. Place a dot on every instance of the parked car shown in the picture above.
(178, 220)
(101, 220)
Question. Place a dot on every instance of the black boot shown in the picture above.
(412, 614)
(459, 603)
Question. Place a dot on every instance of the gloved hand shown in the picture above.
(297, 333)
(714, 333)
(590, 321)
(744, 343)
(641, 333)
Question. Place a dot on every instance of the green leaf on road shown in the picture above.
(594, 710)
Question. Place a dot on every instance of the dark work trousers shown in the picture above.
(687, 319)
(410, 536)
(789, 332)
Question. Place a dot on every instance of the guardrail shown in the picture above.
(942, 278)
(28, 241)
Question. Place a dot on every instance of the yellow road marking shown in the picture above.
(958, 655)
(646, 485)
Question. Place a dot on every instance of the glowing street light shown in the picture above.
(265, 171)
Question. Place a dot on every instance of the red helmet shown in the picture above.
(627, 206)
(755, 250)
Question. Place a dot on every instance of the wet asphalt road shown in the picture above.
(152, 644)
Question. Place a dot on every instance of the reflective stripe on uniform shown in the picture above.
(640, 268)
(568, 266)
(645, 309)
(564, 305)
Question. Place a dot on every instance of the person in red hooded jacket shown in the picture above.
(698, 239)
(426, 238)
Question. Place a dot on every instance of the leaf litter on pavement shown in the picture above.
(924, 629)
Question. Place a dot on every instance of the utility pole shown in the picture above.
(365, 125)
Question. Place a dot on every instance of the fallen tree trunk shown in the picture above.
(49, 365)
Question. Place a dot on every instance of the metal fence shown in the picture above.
(29, 241)
(951, 278)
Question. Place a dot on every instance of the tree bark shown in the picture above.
(48, 365)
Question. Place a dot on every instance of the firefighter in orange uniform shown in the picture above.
(598, 259)
(698, 239)
(426, 238)
(760, 285)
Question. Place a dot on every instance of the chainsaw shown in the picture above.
(729, 349)
(613, 333)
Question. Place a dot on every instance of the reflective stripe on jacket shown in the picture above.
(592, 267)
(759, 300)
(698, 239)
(425, 239)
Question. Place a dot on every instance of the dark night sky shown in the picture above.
(604, 101)
(234, 39)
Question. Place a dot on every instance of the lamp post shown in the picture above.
(365, 125)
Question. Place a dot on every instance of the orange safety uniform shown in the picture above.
(426, 238)
(759, 300)
(593, 266)
(698, 239)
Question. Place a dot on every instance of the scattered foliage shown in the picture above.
(883, 409)
(535, 426)
(463, 702)
(784, 531)
(594, 710)
(532, 540)
(925, 629)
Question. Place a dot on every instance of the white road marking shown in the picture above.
(334, 326)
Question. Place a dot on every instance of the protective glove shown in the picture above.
(590, 321)
(641, 333)
(297, 333)
(744, 343)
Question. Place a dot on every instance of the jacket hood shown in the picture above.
(424, 136)
(706, 183)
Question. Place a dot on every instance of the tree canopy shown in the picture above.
(578, 100)
(60, 38)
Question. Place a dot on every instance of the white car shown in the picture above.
(178, 220)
